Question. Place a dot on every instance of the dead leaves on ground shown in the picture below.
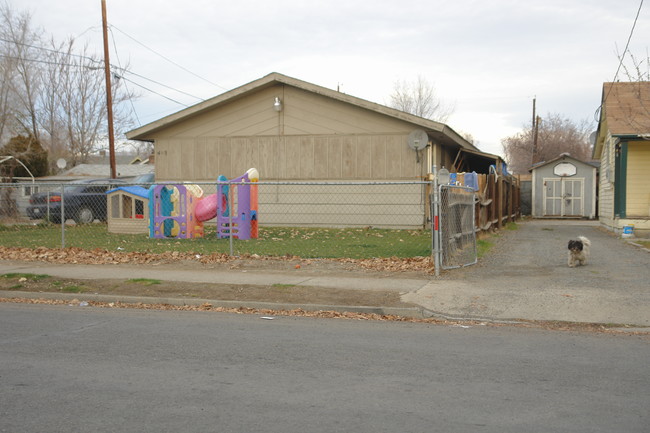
(74, 255)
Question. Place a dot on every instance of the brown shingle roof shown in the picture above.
(627, 107)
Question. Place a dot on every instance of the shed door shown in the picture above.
(563, 197)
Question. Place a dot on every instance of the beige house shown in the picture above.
(292, 130)
(623, 148)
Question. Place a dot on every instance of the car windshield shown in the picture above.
(82, 186)
(143, 178)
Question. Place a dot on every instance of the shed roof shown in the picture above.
(563, 157)
(135, 190)
(437, 130)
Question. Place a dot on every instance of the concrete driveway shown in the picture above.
(525, 276)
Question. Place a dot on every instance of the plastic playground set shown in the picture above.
(179, 211)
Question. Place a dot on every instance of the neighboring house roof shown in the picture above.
(625, 112)
(436, 129)
(120, 158)
(82, 171)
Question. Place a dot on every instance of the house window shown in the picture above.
(29, 190)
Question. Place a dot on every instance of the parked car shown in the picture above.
(83, 201)
(143, 180)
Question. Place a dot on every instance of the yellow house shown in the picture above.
(623, 148)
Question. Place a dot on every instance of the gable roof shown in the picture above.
(437, 130)
(625, 112)
(563, 156)
(627, 108)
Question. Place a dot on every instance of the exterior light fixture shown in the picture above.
(277, 104)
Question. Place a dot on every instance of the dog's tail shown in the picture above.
(584, 240)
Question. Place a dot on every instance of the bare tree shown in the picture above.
(419, 98)
(19, 73)
(26, 81)
(637, 71)
(56, 94)
(556, 135)
(51, 121)
(636, 68)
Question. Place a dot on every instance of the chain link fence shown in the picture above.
(457, 227)
(306, 219)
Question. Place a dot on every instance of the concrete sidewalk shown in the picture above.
(336, 281)
(525, 276)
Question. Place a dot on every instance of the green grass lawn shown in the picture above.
(272, 241)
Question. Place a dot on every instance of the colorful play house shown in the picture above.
(242, 191)
(128, 210)
(178, 211)
(172, 211)
(243, 224)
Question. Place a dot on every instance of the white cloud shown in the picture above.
(490, 58)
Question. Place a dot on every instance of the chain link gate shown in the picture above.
(454, 230)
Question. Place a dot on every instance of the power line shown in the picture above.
(49, 50)
(126, 71)
(48, 62)
(154, 92)
(627, 45)
(135, 113)
(620, 63)
(167, 59)
(117, 67)
(97, 69)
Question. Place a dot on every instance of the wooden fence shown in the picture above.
(498, 201)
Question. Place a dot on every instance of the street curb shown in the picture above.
(409, 312)
(405, 312)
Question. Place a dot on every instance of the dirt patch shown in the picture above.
(277, 293)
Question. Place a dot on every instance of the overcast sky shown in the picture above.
(489, 58)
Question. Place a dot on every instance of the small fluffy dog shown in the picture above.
(578, 251)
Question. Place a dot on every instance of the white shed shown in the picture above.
(564, 187)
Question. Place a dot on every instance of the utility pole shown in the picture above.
(109, 97)
(533, 132)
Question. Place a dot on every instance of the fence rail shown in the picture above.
(308, 219)
(352, 219)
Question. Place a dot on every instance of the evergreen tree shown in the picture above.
(27, 150)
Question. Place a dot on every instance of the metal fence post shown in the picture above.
(435, 233)
(62, 217)
(232, 209)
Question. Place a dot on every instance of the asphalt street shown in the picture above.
(106, 370)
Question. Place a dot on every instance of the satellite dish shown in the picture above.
(418, 139)
(592, 138)
(61, 163)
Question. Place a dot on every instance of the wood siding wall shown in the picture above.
(606, 185)
(638, 180)
(313, 137)
(367, 157)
